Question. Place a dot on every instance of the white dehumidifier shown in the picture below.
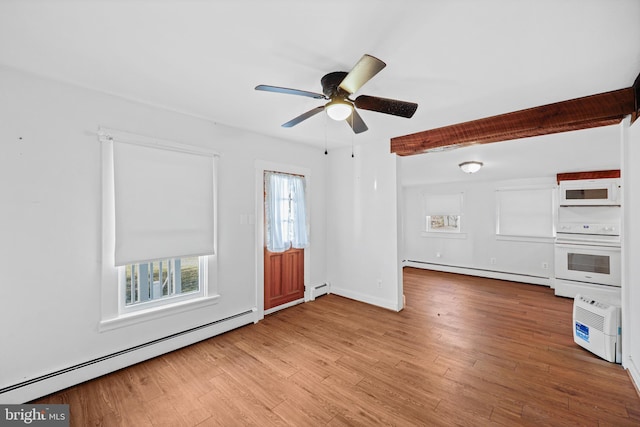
(596, 327)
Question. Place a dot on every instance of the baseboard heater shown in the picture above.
(319, 290)
(36, 380)
(480, 272)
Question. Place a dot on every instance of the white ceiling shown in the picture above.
(459, 60)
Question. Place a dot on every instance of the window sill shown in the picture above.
(533, 239)
(444, 234)
(154, 313)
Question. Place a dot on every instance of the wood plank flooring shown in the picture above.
(465, 351)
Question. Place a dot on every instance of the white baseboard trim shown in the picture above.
(634, 373)
(512, 277)
(389, 305)
(46, 384)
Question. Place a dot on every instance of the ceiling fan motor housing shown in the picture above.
(331, 85)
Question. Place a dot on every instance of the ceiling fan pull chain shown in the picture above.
(352, 135)
(326, 118)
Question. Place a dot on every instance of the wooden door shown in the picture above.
(283, 277)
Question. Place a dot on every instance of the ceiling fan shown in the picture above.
(338, 86)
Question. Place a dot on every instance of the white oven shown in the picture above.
(590, 192)
(588, 260)
(588, 263)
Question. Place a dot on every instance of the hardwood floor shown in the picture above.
(464, 351)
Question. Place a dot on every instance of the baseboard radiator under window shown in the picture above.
(480, 272)
(49, 383)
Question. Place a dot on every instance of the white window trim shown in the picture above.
(444, 234)
(112, 316)
(531, 239)
(158, 312)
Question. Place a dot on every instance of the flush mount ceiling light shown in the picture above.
(470, 167)
(338, 109)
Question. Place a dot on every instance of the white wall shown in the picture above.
(631, 253)
(476, 246)
(362, 253)
(50, 224)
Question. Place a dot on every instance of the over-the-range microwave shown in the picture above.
(590, 192)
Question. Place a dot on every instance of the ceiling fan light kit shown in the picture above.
(471, 166)
(338, 109)
(338, 86)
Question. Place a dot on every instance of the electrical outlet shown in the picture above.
(493, 261)
(545, 265)
(438, 255)
(379, 284)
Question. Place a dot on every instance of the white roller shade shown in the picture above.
(164, 202)
(525, 212)
(443, 204)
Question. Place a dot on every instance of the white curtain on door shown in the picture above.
(286, 219)
(299, 236)
(276, 192)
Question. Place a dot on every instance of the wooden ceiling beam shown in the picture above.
(581, 113)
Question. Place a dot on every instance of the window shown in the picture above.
(443, 213)
(525, 212)
(443, 223)
(159, 223)
(285, 212)
(149, 284)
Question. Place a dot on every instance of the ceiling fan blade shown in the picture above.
(288, 91)
(362, 72)
(302, 117)
(387, 106)
(356, 122)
